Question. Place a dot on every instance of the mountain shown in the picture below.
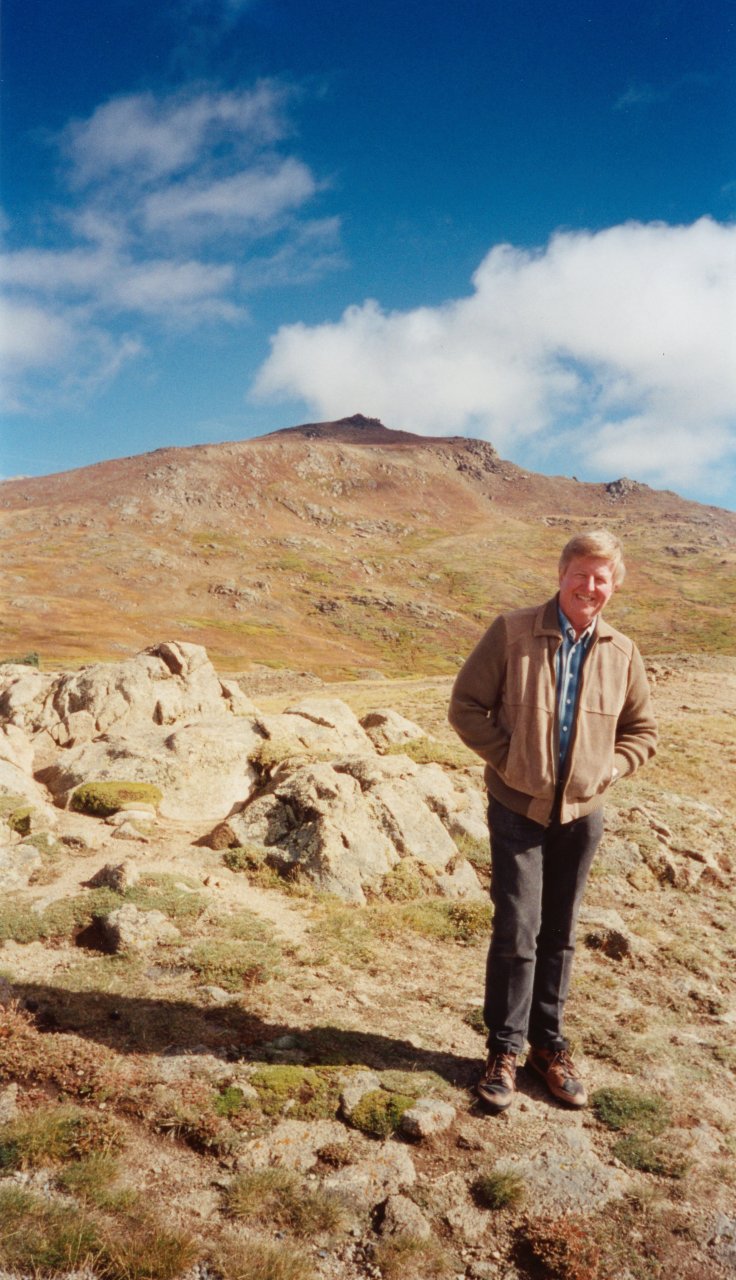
(337, 547)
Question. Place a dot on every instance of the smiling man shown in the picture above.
(556, 702)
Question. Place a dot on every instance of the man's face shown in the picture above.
(585, 587)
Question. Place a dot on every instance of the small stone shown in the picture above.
(404, 1218)
(115, 875)
(427, 1117)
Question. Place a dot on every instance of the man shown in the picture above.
(557, 704)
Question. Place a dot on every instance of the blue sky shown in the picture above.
(514, 221)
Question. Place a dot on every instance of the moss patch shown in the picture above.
(309, 1093)
(101, 799)
(379, 1112)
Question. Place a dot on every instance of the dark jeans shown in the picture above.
(538, 876)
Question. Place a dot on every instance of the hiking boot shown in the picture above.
(560, 1075)
(497, 1085)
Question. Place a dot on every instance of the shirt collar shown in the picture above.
(568, 629)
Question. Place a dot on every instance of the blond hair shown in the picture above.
(602, 545)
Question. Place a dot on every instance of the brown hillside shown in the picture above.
(338, 547)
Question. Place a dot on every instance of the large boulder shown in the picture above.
(325, 724)
(203, 769)
(168, 684)
(18, 788)
(319, 819)
(386, 728)
(346, 824)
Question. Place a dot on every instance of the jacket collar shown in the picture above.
(547, 622)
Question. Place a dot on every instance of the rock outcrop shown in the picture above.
(309, 787)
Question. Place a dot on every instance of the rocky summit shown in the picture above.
(336, 548)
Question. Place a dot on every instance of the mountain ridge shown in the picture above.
(377, 548)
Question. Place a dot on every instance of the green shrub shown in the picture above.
(41, 1238)
(174, 895)
(379, 1112)
(19, 821)
(54, 1134)
(92, 1180)
(230, 1101)
(473, 1017)
(405, 1257)
(477, 852)
(31, 659)
(497, 1189)
(624, 1109)
(279, 1199)
(233, 964)
(434, 918)
(101, 799)
(649, 1155)
(403, 882)
(245, 857)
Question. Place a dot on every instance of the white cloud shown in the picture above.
(67, 357)
(616, 342)
(190, 290)
(169, 196)
(31, 337)
(146, 138)
(48, 271)
(244, 201)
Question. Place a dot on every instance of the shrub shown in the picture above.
(92, 1180)
(477, 852)
(496, 1189)
(233, 964)
(41, 1238)
(379, 1112)
(52, 1135)
(259, 1260)
(278, 1198)
(639, 1151)
(435, 918)
(561, 1247)
(473, 1017)
(19, 821)
(101, 799)
(621, 1108)
(146, 1250)
(245, 857)
(640, 1118)
(229, 1101)
(405, 1257)
(174, 895)
(403, 882)
(31, 659)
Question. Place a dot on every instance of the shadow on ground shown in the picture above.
(143, 1025)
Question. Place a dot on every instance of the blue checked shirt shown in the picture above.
(570, 659)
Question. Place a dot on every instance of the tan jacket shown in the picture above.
(504, 706)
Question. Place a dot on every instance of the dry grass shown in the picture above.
(53, 1134)
(405, 1257)
(280, 1200)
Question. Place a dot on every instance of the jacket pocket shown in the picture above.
(529, 767)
